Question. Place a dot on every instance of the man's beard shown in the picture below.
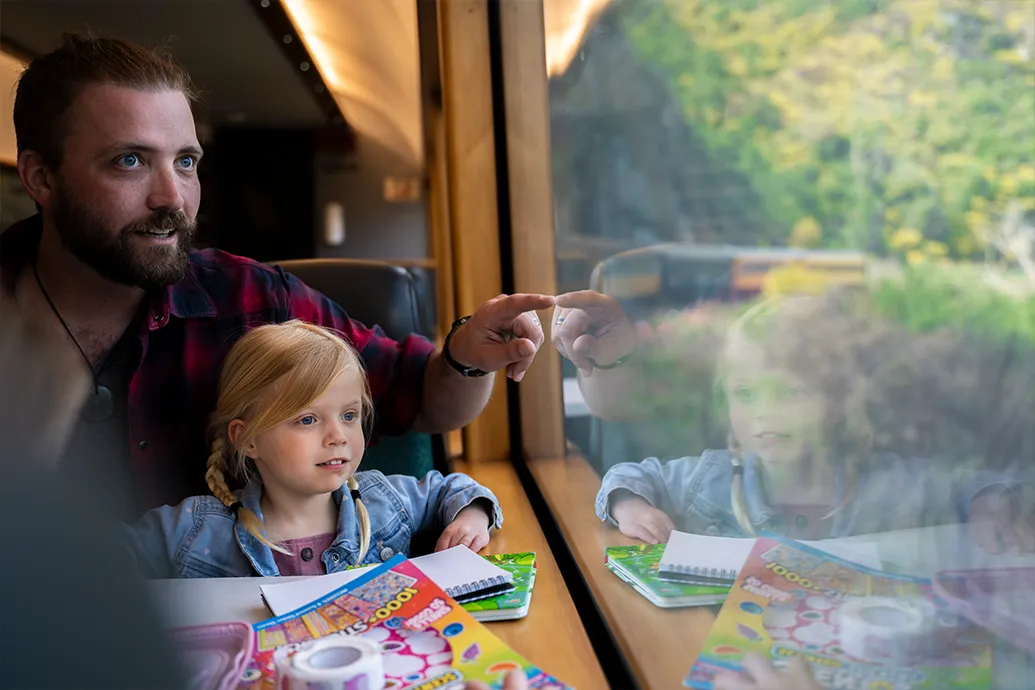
(123, 258)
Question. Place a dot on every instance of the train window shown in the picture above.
(810, 227)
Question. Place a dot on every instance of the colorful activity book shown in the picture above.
(638, 567)
(427, 639)
(511, 605)
(463, 574)
(787, 602)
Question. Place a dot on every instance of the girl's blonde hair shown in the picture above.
(270, 375)
(816, 338)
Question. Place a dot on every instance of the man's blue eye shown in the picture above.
(130, 160)
(187, 163)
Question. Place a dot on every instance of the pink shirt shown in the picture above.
(307, 555)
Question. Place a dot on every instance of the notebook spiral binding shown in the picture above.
(697, 575)
(712, 573)
(479, 585)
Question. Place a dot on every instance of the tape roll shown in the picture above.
(282, 662)
(885, 630)
(336, 663)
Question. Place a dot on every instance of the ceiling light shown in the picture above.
(566, 24)
(300, 12)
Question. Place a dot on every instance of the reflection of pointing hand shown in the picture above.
(504, 333)
(592, 330)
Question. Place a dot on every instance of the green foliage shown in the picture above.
(867, 117)
(957, 298)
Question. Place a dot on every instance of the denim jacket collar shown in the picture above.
(756, 491)
(261, 556)
(756, 497)
(348, 525)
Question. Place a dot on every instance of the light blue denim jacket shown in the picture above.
(202, 538)
(892, 493)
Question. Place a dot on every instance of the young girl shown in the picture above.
(797, 376)
(293, 406)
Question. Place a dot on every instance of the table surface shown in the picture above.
(551, 636)
(660, 645)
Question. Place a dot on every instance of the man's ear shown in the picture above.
(233, 432)
(36, 177)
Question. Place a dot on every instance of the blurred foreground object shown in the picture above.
(42, 384)
(84, 620)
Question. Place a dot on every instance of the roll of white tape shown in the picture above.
(886, 630)
(282, 662)
(337, 663)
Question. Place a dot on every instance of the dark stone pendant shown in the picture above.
(801, 522)
(99, 405)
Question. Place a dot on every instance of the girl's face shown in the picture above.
(320, 447)
(773, 414)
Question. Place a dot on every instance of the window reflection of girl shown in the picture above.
(795, 378)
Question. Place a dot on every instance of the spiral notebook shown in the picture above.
(463, 574)
(510, 605)
(638, 567)
(699, 560)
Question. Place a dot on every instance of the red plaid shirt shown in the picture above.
(188, 330)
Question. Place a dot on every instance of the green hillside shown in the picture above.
(900, 127)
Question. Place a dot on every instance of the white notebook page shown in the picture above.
(729, 553)
(711, 553)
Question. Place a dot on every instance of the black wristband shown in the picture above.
(464, 371)
(613, 365)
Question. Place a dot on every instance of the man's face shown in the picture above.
(125, 197)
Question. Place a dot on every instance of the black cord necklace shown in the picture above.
(99, 406)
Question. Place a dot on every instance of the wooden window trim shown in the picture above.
(471, 179)
(530, 177)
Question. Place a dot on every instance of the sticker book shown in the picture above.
(427, 640)
(787, 602)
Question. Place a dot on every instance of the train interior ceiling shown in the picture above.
(317, 119)
(307, 120)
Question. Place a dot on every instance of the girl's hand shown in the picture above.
(762, 675)
(640, 520)
(515, 680)
(998, 521)
(470, 528)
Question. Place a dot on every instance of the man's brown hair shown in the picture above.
(50, 84)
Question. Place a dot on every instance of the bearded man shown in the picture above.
(107, 148)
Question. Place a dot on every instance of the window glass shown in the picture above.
(808, 229)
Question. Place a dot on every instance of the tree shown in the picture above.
(866, 116)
